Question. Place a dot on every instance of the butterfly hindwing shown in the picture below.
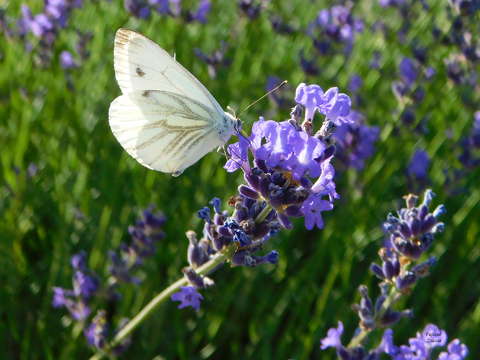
(162, 130)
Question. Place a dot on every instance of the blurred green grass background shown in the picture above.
(88, 190)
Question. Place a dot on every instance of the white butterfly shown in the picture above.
(165, 118)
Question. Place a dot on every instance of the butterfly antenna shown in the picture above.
(284, 82)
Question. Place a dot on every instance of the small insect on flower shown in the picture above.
(165, 118)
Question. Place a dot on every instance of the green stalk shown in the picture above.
(148, 310)
(263, 214)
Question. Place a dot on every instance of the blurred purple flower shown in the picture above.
(250, 8)
(188, 296)
(355, 142)
(161, 6)
(408, 71)
(32, 170)
(418, 166)
(97, 331)
(175, 7)
(456, 351)
(355, 83)
(334, 26)
(470, 145)
(421, 346)
(138, 8)
(333, 338)
(85, 285)
(202, 12)
(67, 61)
(128, 258)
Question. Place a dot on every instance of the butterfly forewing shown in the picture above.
(140, 64)
(162, 130)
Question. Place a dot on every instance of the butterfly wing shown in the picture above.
(166, 131)
(140, 64)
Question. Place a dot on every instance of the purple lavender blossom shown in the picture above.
(334, 105)
(85, 286)
(421, 346)
(67, 61)
(392, 3)
(456, 351)
(243, 229)
(78, 308)
(97, 331)
(251, 8)
(175, 7)
(408, 70)
(336, 24)
(280, 26)
(202, 12)
(418, 166)
(337, 21)
(188, 296)
(333, 338)
(286, 150)
(144, 234)
(291, 167)
(122, 268)
(46, 26)
(161, 6)
(410, 234)
(312, 209)
(138, 8)
(32, 170)
(355, 83)
(470, 145)
(310, 96)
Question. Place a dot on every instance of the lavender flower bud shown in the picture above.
(377, 271)
(248, 192)
(406, 280)
(197, 280)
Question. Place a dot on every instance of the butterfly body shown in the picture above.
(165, 118)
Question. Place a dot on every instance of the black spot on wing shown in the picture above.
(140, 72)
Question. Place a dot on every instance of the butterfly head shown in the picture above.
(237, 125)
(234, 121)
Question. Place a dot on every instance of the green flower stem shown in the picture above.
(391, 299)
(264, 213)
(148, 310)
